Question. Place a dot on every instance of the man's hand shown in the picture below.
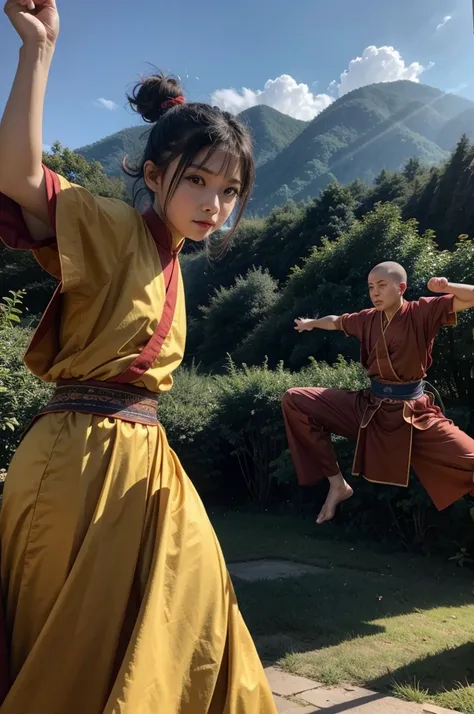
(438, 285)
(304, 324)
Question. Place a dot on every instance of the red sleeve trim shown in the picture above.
(340, 323)
(53, 188)
(451, 318)
(13, 229)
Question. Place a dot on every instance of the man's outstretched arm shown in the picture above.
(330, 322)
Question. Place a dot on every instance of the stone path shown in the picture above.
(272, 569)
(297, 695)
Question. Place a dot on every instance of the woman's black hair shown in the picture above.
(182, 129)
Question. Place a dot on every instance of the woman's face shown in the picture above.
(205, 196)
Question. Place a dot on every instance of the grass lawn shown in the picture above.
(390, 622)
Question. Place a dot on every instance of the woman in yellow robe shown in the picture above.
(117, 596)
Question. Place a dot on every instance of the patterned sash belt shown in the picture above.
(399, 390)
(106, 399)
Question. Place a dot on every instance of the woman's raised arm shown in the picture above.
(21, 127)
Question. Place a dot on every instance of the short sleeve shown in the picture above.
(436, 312)
(352, 324)
(90, 233)
(14, 232)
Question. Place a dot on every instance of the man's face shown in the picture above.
(385, 292)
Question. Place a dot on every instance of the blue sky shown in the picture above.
(300, 46)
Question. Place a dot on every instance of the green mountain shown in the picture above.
(373, 128)
(457, 126)
(111, 150)
(271, 130)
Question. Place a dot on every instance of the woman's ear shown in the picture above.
(152, 177)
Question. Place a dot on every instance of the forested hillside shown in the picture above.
(373, 128)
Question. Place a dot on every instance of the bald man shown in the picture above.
(395, 423)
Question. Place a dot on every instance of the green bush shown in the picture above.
(454, 347)
(250, 421)
(204, 270)
(232, 313)
(189, 414)
(228, 429)
(21, 394)
(251, 417)
(291, 231)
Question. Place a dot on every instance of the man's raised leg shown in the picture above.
(311, 415)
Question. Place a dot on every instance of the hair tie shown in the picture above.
(172, 101)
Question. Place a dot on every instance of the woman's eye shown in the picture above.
(231, 191)
(196, 180)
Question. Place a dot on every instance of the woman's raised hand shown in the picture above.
(36, 22)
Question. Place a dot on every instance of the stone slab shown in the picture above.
(270, 569)
(286, 707)
(362, 701)
(287, 685)
(433, 709)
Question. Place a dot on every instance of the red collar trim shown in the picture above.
(160, 232)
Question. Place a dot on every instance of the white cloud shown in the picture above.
(446, 19)
(378, 64)
(106, 104)
(47, 148)
(282, 93)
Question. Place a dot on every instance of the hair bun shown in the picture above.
(151, 93)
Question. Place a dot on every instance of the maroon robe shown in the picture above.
(391, 435)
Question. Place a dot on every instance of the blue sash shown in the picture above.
(399, 390)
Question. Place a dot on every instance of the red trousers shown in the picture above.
(442, 456)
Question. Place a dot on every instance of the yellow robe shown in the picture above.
(118, 600)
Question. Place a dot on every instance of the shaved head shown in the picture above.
(392, 271)
(387, 284)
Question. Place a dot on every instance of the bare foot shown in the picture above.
(337, 494)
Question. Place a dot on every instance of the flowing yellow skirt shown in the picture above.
(118, 600)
